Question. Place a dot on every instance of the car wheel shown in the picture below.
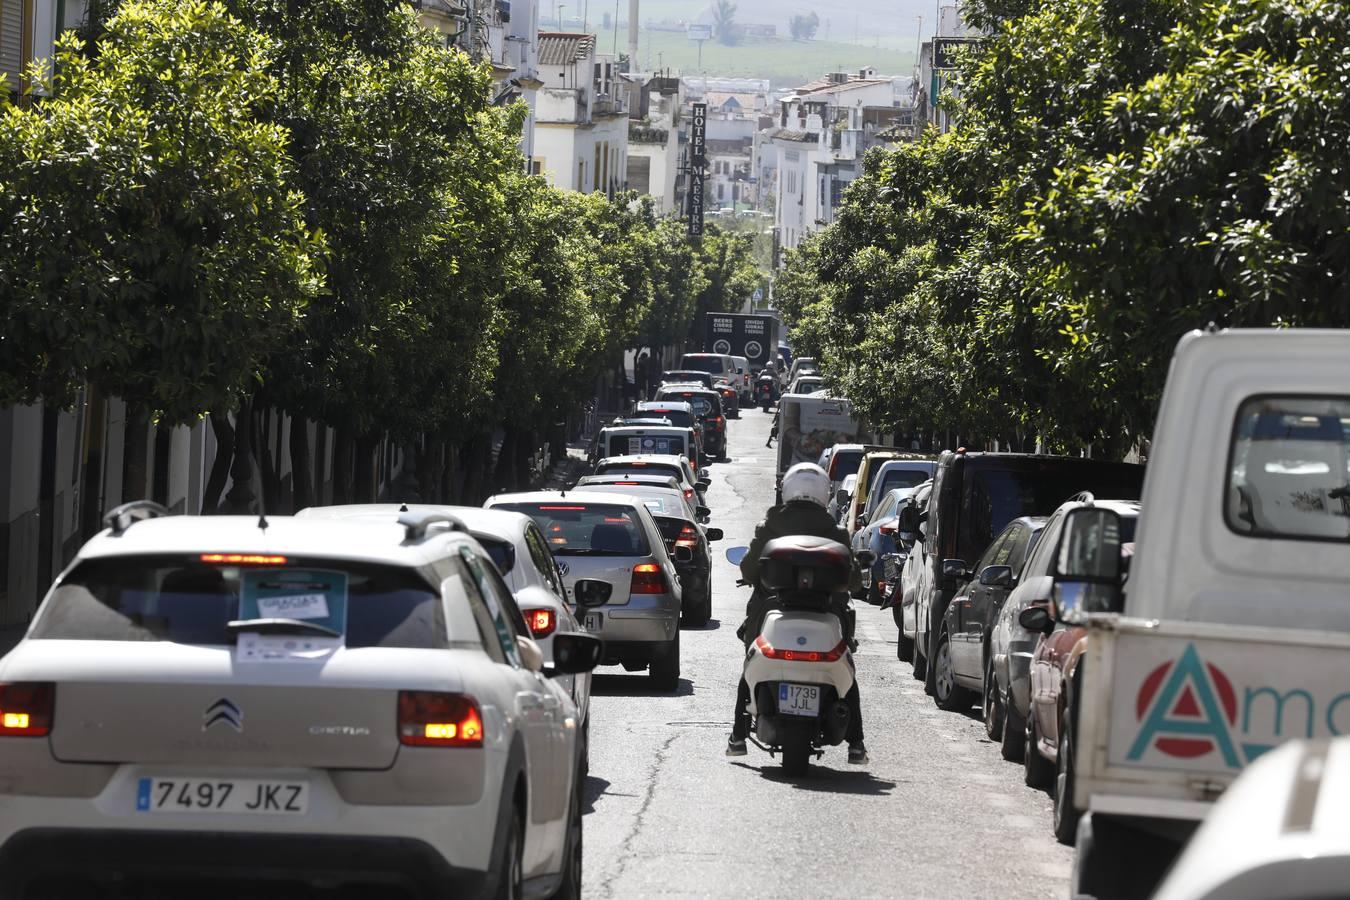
(1035, 768)
(919, 664)
(1066, 814)
(586, 746)
(511, 882)
(665, 667)
(993, 707)
(697, 615)
(947, 694)
(1013, 726)
(929, 670)
(570, 889)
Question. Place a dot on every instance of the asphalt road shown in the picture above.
(937, 812)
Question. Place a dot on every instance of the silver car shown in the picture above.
(613, 538)
(325, 702)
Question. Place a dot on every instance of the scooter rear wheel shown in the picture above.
(796, 755)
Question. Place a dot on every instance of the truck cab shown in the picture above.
(1232, 634)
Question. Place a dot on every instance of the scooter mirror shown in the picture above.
(736, 554)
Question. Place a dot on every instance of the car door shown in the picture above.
(578, 686)
(966, 607)
(538, 710)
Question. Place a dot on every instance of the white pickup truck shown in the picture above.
(1232, 634)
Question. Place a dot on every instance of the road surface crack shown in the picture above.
(630, 851)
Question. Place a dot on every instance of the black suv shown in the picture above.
(975, 495)
(707, 405)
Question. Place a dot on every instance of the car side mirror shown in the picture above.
(704, 483)
(574, 654)
(862, 519)
(703, 512)
(955, 568)
(713, 534)
(997, 576)
(908, 520)
(1036, 619)
(865, 558)
(684, 555)
(590, 592)
(841, 497)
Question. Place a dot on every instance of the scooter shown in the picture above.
(764, 389)
(800, 666)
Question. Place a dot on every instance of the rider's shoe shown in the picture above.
(857, 754)
(735, 747)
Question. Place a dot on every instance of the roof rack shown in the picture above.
(419, 522)
(128, 514)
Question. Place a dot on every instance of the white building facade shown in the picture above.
(581, 116)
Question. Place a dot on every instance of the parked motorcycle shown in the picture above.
(800, 667)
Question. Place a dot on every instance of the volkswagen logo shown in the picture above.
(223, 711)
(801, 641)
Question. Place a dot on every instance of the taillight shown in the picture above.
(688, 537)
(26, 708)
(242, 559)
(771, 652)
(542, 622)
(720, 423)
(648, 579)
(888, 528)
(689, 493)
(434, 719)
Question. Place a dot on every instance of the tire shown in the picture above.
(1036, 769)
(947, 694)
(1010, 744)
(991, 703)
(511, 881)
(573, 852)
(796, 754)
(1066, 814)
(586, 747)
(904, 648)
(920, 665)
(929, 670)
(699, 614)
(665, 666)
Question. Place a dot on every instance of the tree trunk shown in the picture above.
(241, 499)
(367, 487)
(302, 472)
(267, 466)
(135, 453)
(503, 478)
(342, 466)
(475, 456)
(220, 466)
(526, 444)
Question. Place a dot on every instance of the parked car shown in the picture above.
(707, 405)
(398, 727)
(871, 464)
(1048, 736)
(895, 473)
(802, 365)
(838, 504)
(974, 496)
(964, 658)
(915, 574)
(521, 554)
(680, 527)
(615, 539)
(806, 384)
(1280, 832)
(878, 535)
(693, 483)
(731, 398)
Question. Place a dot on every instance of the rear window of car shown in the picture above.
(675, 416)
(702, 404)
(638, 468)
(1289, 469)
(844, 463)
(902, 478)
(587, 529)
(503, 554)
(186, 600)
(659, 444)
(714, 365)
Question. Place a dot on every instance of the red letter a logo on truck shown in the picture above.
(1186, 710)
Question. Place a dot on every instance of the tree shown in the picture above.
(724, 22)
(804, 27)
(151, 243)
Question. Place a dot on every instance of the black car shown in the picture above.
(975, 495)
(962, 658)
(707, 405)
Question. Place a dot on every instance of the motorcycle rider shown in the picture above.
(806, 490)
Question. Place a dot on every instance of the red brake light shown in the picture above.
(689, 493)
(26, 708)
(542, 622)
(242, 559)
(562, 509)
(770, 652)
(648, 579)
(720, 423)
(688, 537)
(433, 719)
(888, 527)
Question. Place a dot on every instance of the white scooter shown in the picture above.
(800, 667)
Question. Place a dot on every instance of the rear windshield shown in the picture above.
(187, 601)
(647, 444)
(587, 529)
(676, 416)
(996, 496)
(902, 478)
(1289, 469)
(713, 365)
(690, 375)
(701, 404)
(640, 469)
(671, 529)
(844, 463)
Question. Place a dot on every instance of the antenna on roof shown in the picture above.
(403, 507)
(262, 520)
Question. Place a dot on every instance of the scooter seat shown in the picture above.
(803, 562)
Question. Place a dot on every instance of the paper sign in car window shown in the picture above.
(309, 595)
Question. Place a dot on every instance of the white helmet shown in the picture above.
(806, 481)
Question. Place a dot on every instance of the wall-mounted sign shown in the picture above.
(944, 50)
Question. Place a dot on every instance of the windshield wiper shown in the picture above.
(280, 626)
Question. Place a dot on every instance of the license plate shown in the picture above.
(234, 796)
(799, 699)
(592, 622)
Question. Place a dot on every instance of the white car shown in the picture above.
(745, 383)
(1280, 832)
(326, 702)
(523, 559)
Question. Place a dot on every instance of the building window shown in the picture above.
(536, 167)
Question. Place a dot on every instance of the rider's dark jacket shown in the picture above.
(793, 517)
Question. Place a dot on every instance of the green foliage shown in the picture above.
(150, 240)
(1121, 171)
